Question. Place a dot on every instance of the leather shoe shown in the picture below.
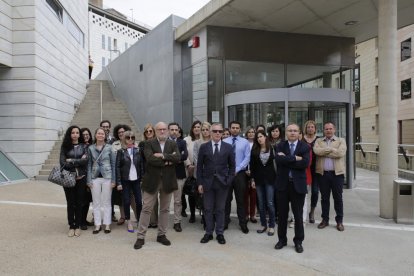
(226, 226)
(323, 224)
(183, 214)
(220, 239)
(298, 248)
(280, 245)
(152, 225)
(244, 228)
(192, 219)
(206, 238)
(177, 227)
(139, 243)
(84, 227)
(260, 231)
(97, 230)
(253, 220)
(163, 240)
(340, 227)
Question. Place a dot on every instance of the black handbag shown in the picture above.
(62, 177)
(190, 186)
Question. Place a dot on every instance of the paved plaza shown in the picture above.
(33, 241)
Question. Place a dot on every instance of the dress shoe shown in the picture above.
(206, 238)
(220, 239)
(244, 228)
(271, 232)
(139, 243)
(163, 240)
(121, 221)
(298, 248)
(130, 227)
(71, 233)
(280, 245)
(226, 226)
(323, 224)
(177, 227)
(253, 220)
(152, 225)
(312, 215)
(192, 219)
(260, 231)
(183, 214)
(84, 227)
(97, 230)
(107, 230)
(340, 227)
(77, 232)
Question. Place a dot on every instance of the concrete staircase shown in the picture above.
(89, 115)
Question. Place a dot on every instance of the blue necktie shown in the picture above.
(292, 149)
(234, 144)
(216, 151)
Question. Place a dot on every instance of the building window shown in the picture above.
(56, 7)
(406, 49)
(73, 29)
(377, 124)
(109, 43)
(103, 63)
(103, 42)
(406, 89)
(376, 95)
(115, 44)
(356, 85)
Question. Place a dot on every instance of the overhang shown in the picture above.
(343, 18)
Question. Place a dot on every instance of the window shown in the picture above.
(109, 43)
(356, 85)
(115, 44)
(376, 67)
(103, 63)
(376, 95)
(377, 124)
(73, 29)
(56, 7)
(406, 49)
(103, 42)
(406, 89)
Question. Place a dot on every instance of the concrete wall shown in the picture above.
(48, 76)
(149, 94)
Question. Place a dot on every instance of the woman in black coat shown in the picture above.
(129, 171)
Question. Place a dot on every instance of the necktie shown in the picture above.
(234, 144)
(292, 149)
(216, 150)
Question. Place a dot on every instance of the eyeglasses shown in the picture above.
(86, 134)
(105, 127)
(121, 131)
(205, 129)
(149, 131)
(129, 137)
(217, 131)
(174, 129)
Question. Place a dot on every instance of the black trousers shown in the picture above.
(329, 182)
(239, 186)
(296, 202)
(75, 200)
(214, 206)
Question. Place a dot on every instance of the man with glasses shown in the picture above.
(292, 159)
(161, 155)
(241, 149)
(106, 125)
(215, 171)
(173, 129)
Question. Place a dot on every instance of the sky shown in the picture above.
(153, 12)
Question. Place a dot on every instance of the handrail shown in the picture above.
(109, 75)
(5, 177)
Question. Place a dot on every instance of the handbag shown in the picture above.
(190, 186)
(62, 177)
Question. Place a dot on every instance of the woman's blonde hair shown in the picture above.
(205, 125)
(305, 126)
(148, 126)
(128, 133)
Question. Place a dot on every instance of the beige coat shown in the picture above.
(337, 153)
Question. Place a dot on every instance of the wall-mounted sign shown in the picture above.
(194, 42)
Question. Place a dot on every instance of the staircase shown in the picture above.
(89, 115)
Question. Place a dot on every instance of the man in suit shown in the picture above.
(292, 158)
(161, 155)
(215, 173)
(330, 170)
(173, 129)
(241, 149)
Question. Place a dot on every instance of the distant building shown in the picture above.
(367, 123)
(110, 34)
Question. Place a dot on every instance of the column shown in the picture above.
(387, 97)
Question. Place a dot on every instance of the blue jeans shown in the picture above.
(127, 186)
(265, 196)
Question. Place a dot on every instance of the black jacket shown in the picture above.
(262, 174)
(180, 168)
(76, 163)
(123, 164)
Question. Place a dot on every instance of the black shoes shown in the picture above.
(192, 219)
(220, 239)
(244, 228)
(183, 214)
(84, 227)
(177, 227)
(298, 248)
(97, 230)
(260, 231)
(340, 227)
(163, 240)
(139, 243)
(323, 224)
(107, 230)
(280, 245)
(206, 238)
(152, 225)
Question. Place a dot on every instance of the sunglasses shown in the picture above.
(217, 131)
(149, 131)
(129, 137)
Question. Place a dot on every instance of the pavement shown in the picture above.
(33, 241)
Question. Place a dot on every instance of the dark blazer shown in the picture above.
(156, 170)
(288, 163)
(262, 173)
(223, 169)
(123, 164)
(180, 168)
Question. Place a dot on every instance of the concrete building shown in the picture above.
(43, 76)
(110, 34)
(367, 124)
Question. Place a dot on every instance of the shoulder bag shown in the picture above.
(62, 177)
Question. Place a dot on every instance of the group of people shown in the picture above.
(263, 169)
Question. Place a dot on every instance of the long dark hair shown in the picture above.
(67, 140)
(281, 134)
(117, 128)
(90, 141)
(193, 138)
(256, 146)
